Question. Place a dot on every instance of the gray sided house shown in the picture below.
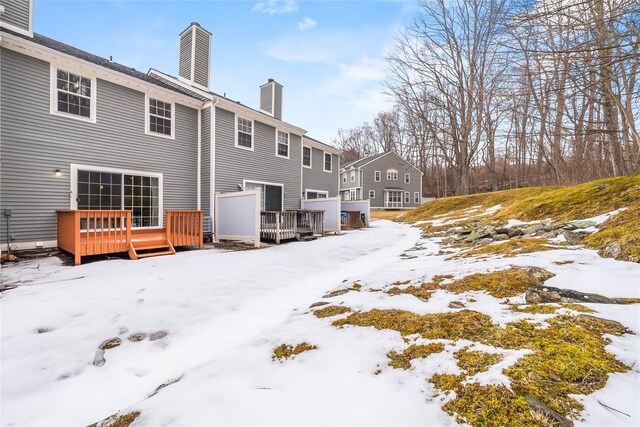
(320, 169)
(84, 132)
(387, 180)
(76, 134)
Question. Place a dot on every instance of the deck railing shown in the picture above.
(94, 232)
(185, 228)
(276, 225)
(349, 219)
(311, 221)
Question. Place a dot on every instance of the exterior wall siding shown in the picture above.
(203, 49)
(349, 184)
(277, 102)
(35, 142)
(184, 67)
(390, 161)
(315, 178)
(233, 164)
(16, 12)
(205, 163)
(266, 98)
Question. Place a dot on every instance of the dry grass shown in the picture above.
(390, 215)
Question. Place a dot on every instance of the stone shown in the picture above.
(515, 232)
(456, 304)
(110, 343)
(480, 233)
(554, 226)
(540, 406)
(502, 230)
(602, 187)
(548, 294)
(572, 237)
(532, 229)
(612, 250)
(500, 237)
(137, 336)
(583, 224)
(158, 335)
(318, 304)
(98, 359)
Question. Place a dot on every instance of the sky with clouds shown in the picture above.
(329, 55)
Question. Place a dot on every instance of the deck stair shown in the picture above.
(150, 244)
(304, 234)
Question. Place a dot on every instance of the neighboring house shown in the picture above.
(387, 180)
(320, 169)
(83, 132)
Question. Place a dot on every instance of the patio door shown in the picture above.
(270, 195)
(273, 198)
(98, 188)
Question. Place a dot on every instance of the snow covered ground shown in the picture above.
(225, 312)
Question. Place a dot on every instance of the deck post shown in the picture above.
(201, 239)
(277, 228)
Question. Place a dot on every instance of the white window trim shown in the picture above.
(416, 197)
(407, 197)
(310, 157)
(288, 143)
(352, 176)
(377, 176)
(372, 194)
(310, 190)
(73, 189)
(53, 97)
(344, 177)
(392, 175)
(324, 162)
(235, 135)
(407, 178)
(253, 181)
(146, 118)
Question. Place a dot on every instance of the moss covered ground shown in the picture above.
(500, 284)
(567, 357)
(287, 351)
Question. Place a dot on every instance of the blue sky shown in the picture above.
(329, 55)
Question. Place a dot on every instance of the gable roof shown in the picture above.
(362, 162)
(321, 145)
(98, 60)
(357, 163)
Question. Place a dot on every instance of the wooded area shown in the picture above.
(495, 94)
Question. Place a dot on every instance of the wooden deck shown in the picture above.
(97, 232)
(286, 225)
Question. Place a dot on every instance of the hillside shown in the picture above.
(555, 204)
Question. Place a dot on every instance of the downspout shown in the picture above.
(199, 174)
(212, 163)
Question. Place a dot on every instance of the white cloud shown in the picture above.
(276, 6)
(307, 23)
